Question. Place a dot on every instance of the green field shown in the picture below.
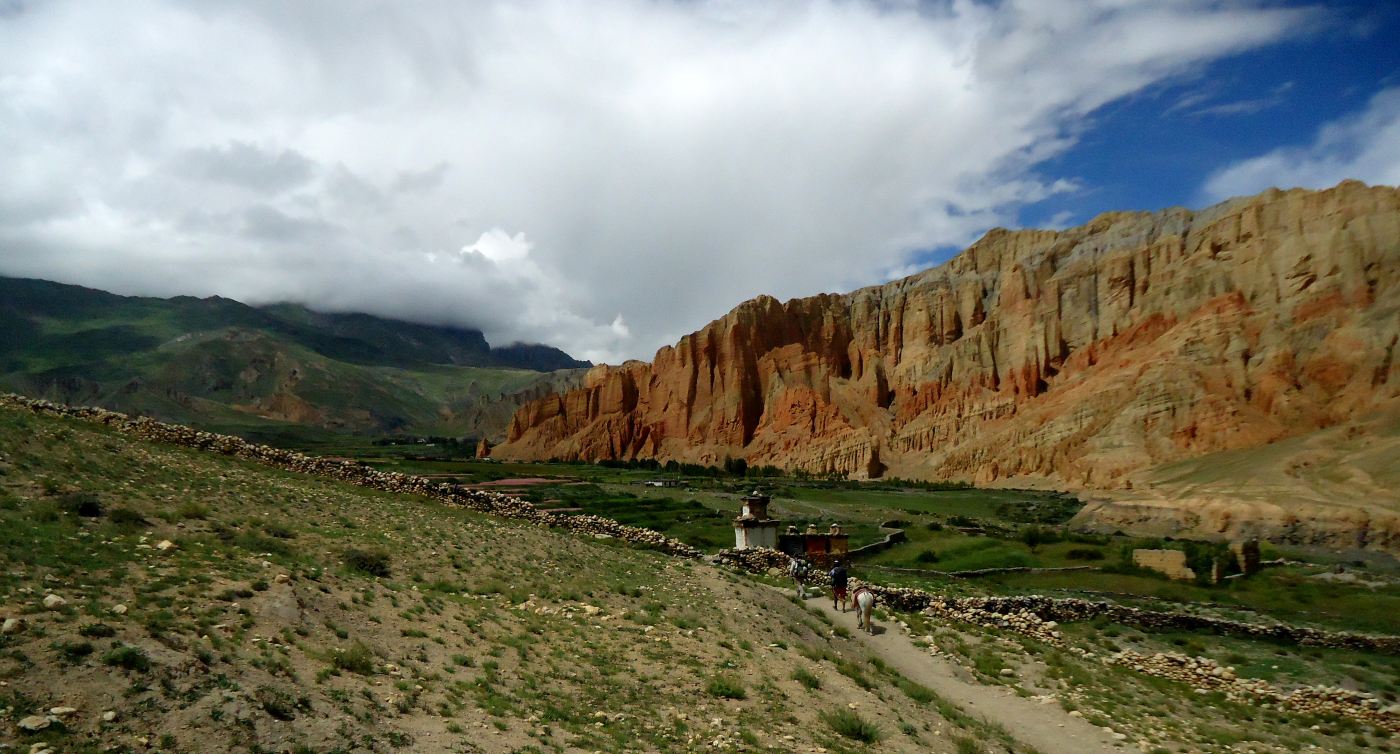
(946, 531)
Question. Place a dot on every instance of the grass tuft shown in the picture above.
(357, 658)
(851, 725)
(807, 679)
(726, 687)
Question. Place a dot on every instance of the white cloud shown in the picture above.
(1059, 221)
(500, 246)
(1364, 146)
(665, 160)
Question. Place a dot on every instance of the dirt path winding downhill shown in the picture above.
(1047, 727)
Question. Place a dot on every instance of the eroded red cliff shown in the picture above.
(1083, 356)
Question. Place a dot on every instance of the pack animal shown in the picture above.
(864, 600)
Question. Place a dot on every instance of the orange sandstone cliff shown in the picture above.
(1088, 358)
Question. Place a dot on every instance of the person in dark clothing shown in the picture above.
(798, 570)
(838, 585)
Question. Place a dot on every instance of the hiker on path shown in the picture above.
(838, 585)
(798, 569)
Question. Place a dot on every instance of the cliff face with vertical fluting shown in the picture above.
(1086, 356)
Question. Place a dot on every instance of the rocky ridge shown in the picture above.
(1083, 358)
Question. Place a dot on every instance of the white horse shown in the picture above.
(864, 600)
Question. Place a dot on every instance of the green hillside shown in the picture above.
(282, 368)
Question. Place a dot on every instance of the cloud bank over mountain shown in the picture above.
(600, 176)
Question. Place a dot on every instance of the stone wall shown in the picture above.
(1204, 675)
(891, 539)
(1067, 610)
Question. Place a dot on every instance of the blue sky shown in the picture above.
(608, 176)
(1157, 148)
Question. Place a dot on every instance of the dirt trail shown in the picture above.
(1047, 727)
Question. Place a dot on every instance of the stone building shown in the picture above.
(822, 550)
(753, 527)
(1172, 563)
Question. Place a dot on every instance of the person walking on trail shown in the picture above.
(797, 569)
(838, 585)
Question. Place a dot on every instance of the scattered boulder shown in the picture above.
(54, 602)
(34, 723)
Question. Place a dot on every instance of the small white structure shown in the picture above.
(753, 527)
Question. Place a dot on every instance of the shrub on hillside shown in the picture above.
(131, 658)
(1035, 536)
(83, 504)
(726, 687)
(193, 510)
(919, 693)
(851, 725)
(357, 658)
(127, 518)
(807, 679)
(372, 562)
(97, 631)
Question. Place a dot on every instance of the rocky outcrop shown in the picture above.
(1085, 357)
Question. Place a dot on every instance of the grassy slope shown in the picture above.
(489, 636)
(484, 636)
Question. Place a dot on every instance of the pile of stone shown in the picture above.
(1023, 622)
(484, 501)
(1206, 675)
(903, 599)
(760, 560)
